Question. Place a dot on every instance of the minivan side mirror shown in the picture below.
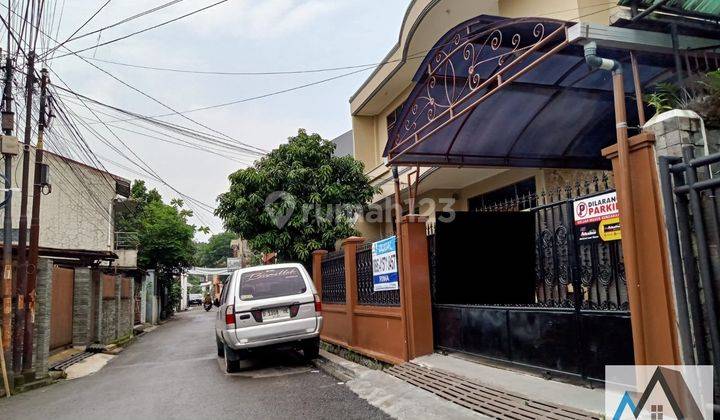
(216, 302)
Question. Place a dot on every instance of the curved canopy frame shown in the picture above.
(513, 92)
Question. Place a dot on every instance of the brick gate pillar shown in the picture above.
(43, 298)
(81, 307)
(650, 293)
(317, 257)
(674, 131)
(415, 285)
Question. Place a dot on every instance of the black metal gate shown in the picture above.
(692, 212)
(576, 321)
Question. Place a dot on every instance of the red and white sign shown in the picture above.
(595, 209)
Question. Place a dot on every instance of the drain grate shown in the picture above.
(485, 400)
(64, 364)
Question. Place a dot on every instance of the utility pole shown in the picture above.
(35, 225)
(19, 330)
(8, 124)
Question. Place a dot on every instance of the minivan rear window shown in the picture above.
(276, 282)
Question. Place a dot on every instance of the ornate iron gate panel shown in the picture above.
(366, 293)
(333, 277)
(579, 320)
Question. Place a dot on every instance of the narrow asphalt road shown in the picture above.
(173, 373)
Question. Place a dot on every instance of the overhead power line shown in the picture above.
(199, 135)
(104, 28)
(239, 73)
(167, 22)
(126, 84)
(237, 101)
(81, 26)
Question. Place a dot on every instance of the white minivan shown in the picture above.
(267, 305)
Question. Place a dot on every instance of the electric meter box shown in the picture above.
(9, 145)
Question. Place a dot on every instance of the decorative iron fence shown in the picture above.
(692, 212)
(366, 293)
(587, 275)
(333, 277)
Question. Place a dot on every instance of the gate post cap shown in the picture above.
(644, 139)
(353, 240)
(320, 252)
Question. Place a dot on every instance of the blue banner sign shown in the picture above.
(384, 259)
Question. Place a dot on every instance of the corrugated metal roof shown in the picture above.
(708, 7)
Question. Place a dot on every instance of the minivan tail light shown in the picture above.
(230, 317)
(318, 304)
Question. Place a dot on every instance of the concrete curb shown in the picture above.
(335, 366)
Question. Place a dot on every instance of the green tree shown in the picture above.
(296, 199)
(165, 238)
(214, 252)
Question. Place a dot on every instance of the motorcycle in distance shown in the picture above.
(207, 302)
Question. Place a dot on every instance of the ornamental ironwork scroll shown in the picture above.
(465, 67)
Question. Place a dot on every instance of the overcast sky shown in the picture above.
(240, 35)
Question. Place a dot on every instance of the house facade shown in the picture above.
(376, 105)
(531, 228)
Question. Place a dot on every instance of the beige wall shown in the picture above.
(75, 214)
(595, 11)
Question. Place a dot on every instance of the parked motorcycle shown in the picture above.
(207, 303)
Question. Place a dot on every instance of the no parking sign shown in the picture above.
(597, 218)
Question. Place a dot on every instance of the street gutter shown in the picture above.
(393, 396)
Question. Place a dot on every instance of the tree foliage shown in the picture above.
(165, 238)
(296, 199)
(214, 252)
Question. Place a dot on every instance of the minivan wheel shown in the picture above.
(311, 348)
(232, 361)
(220, 347)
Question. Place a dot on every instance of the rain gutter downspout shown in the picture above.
(625, 203)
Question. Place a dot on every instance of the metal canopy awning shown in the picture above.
(517, 92)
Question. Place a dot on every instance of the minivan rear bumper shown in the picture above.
(239, 339)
